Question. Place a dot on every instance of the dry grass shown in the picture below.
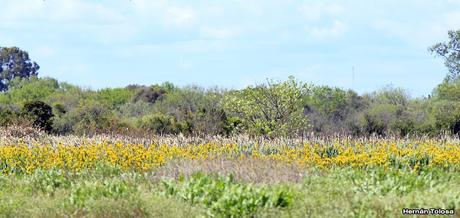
(245, 170)
(26, 134)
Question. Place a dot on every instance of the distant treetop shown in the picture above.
(450, 51)
(15, 62)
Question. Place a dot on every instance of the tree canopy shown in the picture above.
(450, 51)
(15, 62)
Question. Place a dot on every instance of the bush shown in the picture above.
(149, 94)
(135, 109)
(226, 198)
(111, 98)
(91, 118)
(82, 193)
(24, 90)
(40, 114)
(198, 111)
(271, 110)
(447, 116)
(160, 124)
(7, 115)
(333, 110)
(48, 181)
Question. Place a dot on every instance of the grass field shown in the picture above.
(108, 176)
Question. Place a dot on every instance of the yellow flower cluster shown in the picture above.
(416, 155)
(20, 158)
(26, 158)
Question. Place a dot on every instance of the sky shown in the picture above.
(362, 45)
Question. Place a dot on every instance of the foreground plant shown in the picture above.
(224, 197)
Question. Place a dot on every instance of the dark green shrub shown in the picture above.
(92, 118)
(160, 124)
(59, 108)
(233, 125)
(447, 115)
(7, 116)
(149, 94)
(40, 114)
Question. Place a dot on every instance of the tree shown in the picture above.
(198, 110)
(112, 97)
(149, 94)
(450, 51)
(447, 116)
(447, 90)
(92, 118)
(332, 110)
(23, 90)
(160, 124)
(40, 114)
(15, 63)
(391, 112)
(272, 109)
(7, 115)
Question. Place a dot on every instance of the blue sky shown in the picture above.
(233, 43)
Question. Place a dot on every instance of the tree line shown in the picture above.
(288, 108)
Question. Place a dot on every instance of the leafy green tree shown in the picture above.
(447, 94)
(450, 51)
(88, 118)
(421, 113)
(160, 124)
(15, 63)
(447, 116)
(448, 90)
(24, 90)
(391, 95)
(331, 110)
(326, 99)
(379, 119)
(40, 114)
(112, 97)
(68, 96)
(198, 110)
(388, 113)
(272, 109)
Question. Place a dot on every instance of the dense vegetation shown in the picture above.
(278, 149)
(288, 108)
(106, 176)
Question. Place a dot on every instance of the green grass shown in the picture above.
(110, 192)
